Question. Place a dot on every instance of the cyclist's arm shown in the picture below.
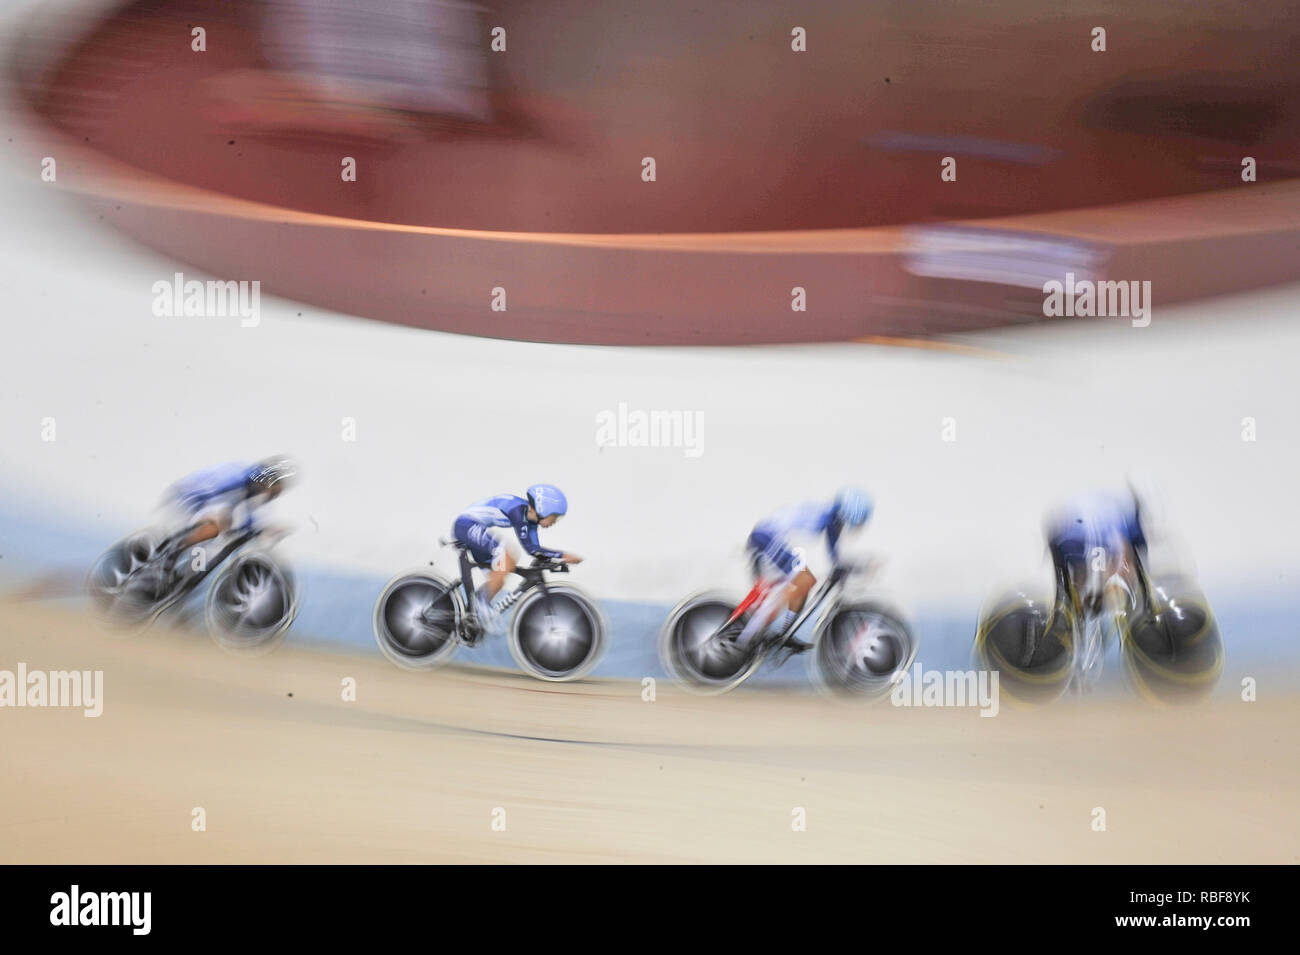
(833, 530)
(527, 536)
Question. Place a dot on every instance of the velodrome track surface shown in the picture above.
(413, 770)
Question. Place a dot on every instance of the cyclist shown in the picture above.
(210, 500)
(771, 554)
(1090, 538)
(476, 529)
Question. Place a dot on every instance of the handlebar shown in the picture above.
(554, 566)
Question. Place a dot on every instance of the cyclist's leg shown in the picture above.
(503, 564)
(205, 530)
(191, 528)
(484, 548)
(1069, 563)
(772, 557)
(1072, 565)
(187, 526)
(799, 589)
(799, 580)
(797, 592)
(475, 538)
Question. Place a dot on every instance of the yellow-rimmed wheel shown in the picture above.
(1173, 651)
(1029, 641)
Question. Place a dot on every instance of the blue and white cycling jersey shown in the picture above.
(504, 510)
(1097, 520)
(222, 487)
(769, 538)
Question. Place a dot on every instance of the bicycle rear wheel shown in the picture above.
(416, 621)
(689, 649)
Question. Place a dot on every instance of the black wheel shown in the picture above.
(862, 650)
(416, 619)
(127, 581)
(689, 645)
(251, 604)
(557, 635)
(1173, 651)
(1029, 642)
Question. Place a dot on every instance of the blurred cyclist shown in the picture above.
(772, 556)
(1091, 538)
(543, 505)
(209, 501)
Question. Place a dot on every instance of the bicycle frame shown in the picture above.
(762, 588)
(819, 597)
(533, 578)
(191, 582)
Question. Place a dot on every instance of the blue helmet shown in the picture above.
(854, 506)
(547, 499)
(274, 473)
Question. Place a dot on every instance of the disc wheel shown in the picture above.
(862, 651)
(415, 621)
(558, 634)
(251, 604)
(689, 645)
(125, 582)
